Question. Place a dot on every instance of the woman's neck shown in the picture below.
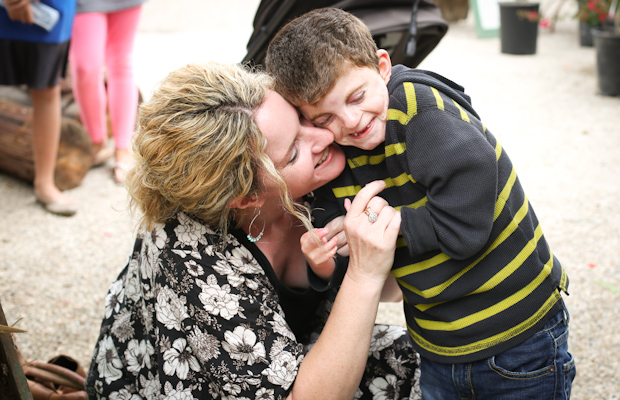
(280, 243)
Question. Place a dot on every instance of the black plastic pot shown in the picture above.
(518, 34)
(585, 35)
(607, 46)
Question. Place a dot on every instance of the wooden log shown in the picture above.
(453, 10)
(75, 155)
(13, 383)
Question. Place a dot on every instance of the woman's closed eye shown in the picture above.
(294, 156)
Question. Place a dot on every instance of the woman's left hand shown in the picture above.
(372, 227)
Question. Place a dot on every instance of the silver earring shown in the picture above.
(260, 235)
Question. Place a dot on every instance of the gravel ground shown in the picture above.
(563, 138)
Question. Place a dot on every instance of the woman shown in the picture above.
(215, 301)
(103, 36)
(36, 57)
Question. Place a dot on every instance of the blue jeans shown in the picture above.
(540, 368)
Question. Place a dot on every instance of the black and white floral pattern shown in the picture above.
(190, 318)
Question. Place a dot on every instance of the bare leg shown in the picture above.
(45, 139)
(123, 162)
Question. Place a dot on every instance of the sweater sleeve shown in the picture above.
(449, 155)
(325, 207)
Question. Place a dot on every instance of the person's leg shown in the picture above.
(86, 59)
(46, 121)
(122, 88)
(443, 381)
(540, 368)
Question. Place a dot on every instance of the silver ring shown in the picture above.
(372, 216)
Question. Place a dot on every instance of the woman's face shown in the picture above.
(305, 155)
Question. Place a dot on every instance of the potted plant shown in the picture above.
(519, 22)
(607, 44)
(591, 14)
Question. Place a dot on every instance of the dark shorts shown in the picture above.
(37, 65)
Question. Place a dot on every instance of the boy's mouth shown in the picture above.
(361, 133)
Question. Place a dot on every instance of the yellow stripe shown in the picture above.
(512, 266)
(505, 194)
(399, 180)
(390, 150)
(438, 99)
(346, 191)
(395, 149)
(434, 291)
(402, 179)
(412, 106)
(464, 116)
(563, 281)
(498, 150)
(491, 341)
(420, 266)
(423, 265)
(365, 160)
(416, 205)
(491, 283)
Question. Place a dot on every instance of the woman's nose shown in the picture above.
(321, 138)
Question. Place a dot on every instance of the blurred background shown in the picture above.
(545, 108)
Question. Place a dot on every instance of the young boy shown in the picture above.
(482, 288)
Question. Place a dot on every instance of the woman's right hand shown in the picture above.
(371, 244)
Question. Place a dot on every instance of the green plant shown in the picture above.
(593, 12)
(534, 16)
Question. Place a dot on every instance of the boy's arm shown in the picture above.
(327, 240)
(453, 160)
(325, 207)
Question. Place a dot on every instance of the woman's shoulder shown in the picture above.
(185, 244)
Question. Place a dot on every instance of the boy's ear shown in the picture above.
(252, 201)
(385, 65)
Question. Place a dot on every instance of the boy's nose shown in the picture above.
(349, 119)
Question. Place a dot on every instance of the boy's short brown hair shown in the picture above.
(311, 52)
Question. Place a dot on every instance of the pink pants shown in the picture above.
(99, 40)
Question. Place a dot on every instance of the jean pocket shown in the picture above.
(531, 359)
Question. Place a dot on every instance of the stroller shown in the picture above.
(408, 29)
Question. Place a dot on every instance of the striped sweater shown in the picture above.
(477, 274)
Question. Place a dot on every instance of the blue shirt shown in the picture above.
(15, 30)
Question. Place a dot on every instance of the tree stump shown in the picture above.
(453, 10)
(75, 155)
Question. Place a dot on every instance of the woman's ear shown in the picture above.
(253, 201)
(385, 65)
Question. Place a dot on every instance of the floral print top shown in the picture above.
(190, 318)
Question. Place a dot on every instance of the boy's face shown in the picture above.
(355, 109)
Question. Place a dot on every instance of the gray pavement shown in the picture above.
(563, 138)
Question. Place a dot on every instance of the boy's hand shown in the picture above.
(336, 229)
(19, 10)
(320, 251)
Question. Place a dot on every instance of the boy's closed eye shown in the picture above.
(323, 120)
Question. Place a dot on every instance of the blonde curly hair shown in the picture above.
(197, 146)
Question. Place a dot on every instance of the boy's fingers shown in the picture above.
(347, 204)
